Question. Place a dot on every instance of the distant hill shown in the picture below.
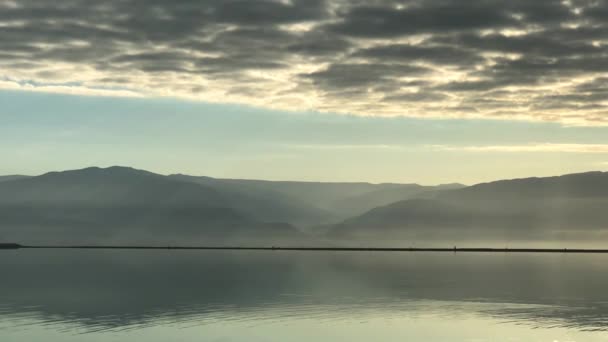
(11, 178)
(125, 205)
(565, 207)
(312, 203)
(577, 185)
(264, 203)
(103, 187)
(122, 204)
(387, 194)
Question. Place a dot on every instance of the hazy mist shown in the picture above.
(120, 205)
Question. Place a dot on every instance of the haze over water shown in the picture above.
(95, 295)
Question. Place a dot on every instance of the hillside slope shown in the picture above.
(124, 205)
(569, 206)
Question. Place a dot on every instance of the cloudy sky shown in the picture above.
(406, 91)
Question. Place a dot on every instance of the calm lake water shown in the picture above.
(95, 295)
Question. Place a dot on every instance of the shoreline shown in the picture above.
(14, 246)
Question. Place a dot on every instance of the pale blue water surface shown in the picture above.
(129, 295)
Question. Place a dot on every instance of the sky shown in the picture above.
(432, 91)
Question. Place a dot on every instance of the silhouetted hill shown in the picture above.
(120, 204)
(123, 204)
(112, 186)
(358, 204)
(577, 185)
(126, 204)
(11, 178)
(264, 203)
(312, 203)
(566, 207)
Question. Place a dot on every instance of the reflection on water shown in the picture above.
(121, 295)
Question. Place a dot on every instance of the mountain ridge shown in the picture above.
(555, 206)
(110, 202)
(121, 203)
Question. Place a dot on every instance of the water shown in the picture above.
(97, 295)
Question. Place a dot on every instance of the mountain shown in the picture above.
(577, 185)
(564, 207)
(263, 203)
(123, 204)
(313, 203)
(103, 187)
(387, 194)
(11, 178)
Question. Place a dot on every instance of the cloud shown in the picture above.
(441, 55)
(392, 20)
(546, 147)
(527, 60)
(338, 77)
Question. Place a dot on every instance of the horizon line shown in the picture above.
(455, 249)
(299, 181)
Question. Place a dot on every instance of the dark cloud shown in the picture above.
(442, 55)
(246, 12)
(416, 97)
(228, 64)
(391, 21)
(597, 10)
(475, 86)
(319, 43)
(340, 76)
(597, 85)
(536, 59)
(534, 44)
